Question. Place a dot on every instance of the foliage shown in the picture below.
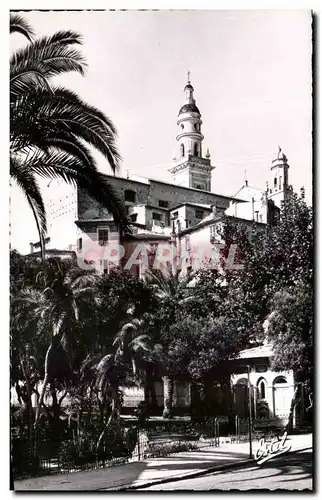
(164, 449)
(51, 127)
(87, 335)
(291, 332)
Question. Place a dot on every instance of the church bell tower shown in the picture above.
(190, 168)
(279, 188)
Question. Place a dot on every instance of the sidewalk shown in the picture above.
(154, 470)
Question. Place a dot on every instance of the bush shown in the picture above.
(163, 449)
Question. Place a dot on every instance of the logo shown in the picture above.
(276, 447)
(216, 256)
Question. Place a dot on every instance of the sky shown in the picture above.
(251, 71)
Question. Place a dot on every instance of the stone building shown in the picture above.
(75, 220)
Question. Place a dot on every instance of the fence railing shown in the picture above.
(143, 445)
(157, 444)
(261, 427)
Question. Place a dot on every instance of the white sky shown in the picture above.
(251, 71)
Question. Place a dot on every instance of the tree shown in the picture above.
(275, 288)
(171, 292)
(64, 297)
(50, 126)
(106, 374)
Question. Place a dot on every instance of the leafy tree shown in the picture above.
(172, 293)
(275, 288)
(290, 329)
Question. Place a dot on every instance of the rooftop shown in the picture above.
(263, 351)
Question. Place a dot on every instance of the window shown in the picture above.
(197, 127)
(280, 183)
(275, 182)
(196, 150)
(175, 215)
(156, 216)
(261, 387)
(261, 368)
(199, 214)
(133, 217)
(79, 243)
(280, 380)
(182, 126)
(182, 149)
(129, 195)
(198, 186)
(102, 237)
(163, 203)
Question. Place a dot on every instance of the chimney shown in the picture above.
(31, 247)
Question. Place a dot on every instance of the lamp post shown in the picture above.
(250, 423)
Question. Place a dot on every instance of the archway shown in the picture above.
(241, 397)
(281, 396)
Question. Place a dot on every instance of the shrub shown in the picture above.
(163, 449)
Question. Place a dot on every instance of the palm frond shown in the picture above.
(39, 117)
(49, 56)
(61, 165)
(25, 179)
(19, 24)
(26, 81)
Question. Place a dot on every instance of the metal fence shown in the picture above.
(145, 444)
(261, 427)
(155, 444)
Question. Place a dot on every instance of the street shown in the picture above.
(290, 472)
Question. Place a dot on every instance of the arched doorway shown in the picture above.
(241, 397)
(281, 396)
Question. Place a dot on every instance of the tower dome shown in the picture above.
(189, 108)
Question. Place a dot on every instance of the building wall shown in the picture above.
(150, 194)
(278, 397)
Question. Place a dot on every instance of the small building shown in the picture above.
(271, 391)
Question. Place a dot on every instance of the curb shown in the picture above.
(192, 475)
(181, 477)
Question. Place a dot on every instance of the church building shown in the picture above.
(157, 209)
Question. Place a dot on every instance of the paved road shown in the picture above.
(290, 472)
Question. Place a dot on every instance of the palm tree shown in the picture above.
(58, 304)
(106, 374)
(51, 127)
(172, 291)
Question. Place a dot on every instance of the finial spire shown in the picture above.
(189, 76)
(246, 180)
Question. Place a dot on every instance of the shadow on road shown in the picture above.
(298, 465)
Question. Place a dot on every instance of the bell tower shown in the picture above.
(191, 169)
(279, 188)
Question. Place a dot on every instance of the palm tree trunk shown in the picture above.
(168, 388)
(292, 407)
(111, 417)
(25, 372)
(43, 389)
(41, 239)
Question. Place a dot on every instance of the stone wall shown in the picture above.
(149, 193)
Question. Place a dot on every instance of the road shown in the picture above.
(291, 471)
